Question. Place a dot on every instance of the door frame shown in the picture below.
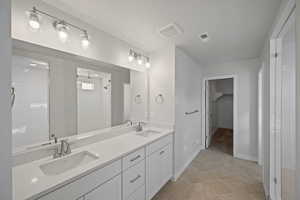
(275, 90)
(235, 108)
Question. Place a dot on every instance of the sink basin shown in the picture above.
(148, 133)
(69, 162)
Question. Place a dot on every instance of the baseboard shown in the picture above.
(246, 157)
(179, 172)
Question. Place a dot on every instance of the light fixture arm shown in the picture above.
(35, 10)
(135, 55)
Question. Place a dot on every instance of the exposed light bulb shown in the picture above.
(63, 35)
(85, 42)
(34, 20)
(148, 65)
(131, 56)
(140, 60)
(62, 30)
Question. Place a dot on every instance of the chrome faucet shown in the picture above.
(129, 122)
(63, 149)
(139, 127)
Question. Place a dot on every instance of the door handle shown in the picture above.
(135, 158)
(13, 96)
(135, 179)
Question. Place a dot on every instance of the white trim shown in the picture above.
(179, 172)
(282, 18)
(260, 114)
(274, 89)
(246, 157)
(235, 107)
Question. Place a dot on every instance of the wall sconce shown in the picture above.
(61, 26)
(140, 58)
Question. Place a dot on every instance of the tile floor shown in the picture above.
(216, 175)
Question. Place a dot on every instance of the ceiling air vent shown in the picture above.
(171, 30)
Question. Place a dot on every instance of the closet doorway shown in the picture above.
(219, 103)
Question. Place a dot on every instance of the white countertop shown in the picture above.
(29, 182)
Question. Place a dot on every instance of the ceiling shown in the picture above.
(237, 28)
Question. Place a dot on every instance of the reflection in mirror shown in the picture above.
(58, 95)
(30, 90)
(93, 100)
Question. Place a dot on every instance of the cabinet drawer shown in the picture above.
(138, 195)
(85, 184)
(110, 190)
(133, 158)
(155, 146)
(133, 178)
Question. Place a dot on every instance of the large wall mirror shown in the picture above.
(58, 95)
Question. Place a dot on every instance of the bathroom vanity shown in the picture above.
(61, 100)
(131, 166)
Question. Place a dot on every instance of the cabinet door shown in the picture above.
(110, 190)
(153, 174)
(138, 195)
(166, 164)
(159, 170)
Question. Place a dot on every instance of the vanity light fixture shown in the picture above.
(140, 58)
(61, 26)
(85, 42)
(148, 65)
(131, 55)
(34, 20)
(62, 30)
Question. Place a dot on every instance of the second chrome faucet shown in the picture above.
(62, 149)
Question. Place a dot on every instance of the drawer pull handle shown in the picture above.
(135, 179)
(162, 152)
(135, 158)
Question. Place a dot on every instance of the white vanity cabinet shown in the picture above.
(136, 176)
(158, 166)
(110, 190)
(91, 184)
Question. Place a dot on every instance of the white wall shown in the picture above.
(225, 112)
(139, 96)
(298, 98)
(266, 117)
(246, 138)
(225, 103)
(222, 114)
(103, 46)
(5, 114)
(188, 87)
(213, 120)
(225, 86)
(162, 81)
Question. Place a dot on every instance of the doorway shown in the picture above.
(220, 116)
